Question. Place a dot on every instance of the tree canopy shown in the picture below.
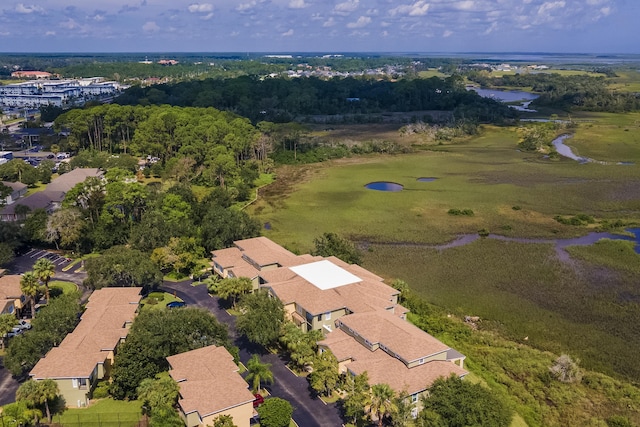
(121, 266)
(262, 318)
(275, 412)
(460, 403)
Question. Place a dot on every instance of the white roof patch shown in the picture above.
(325, 274)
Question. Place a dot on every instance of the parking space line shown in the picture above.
(37, 253)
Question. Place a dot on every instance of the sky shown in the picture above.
(280, 26)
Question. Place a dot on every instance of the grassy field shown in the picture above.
(587, 307)
(608, 137)
(105, 413)
(487, 175)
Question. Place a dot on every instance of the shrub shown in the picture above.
(158, 296)
(102, 390)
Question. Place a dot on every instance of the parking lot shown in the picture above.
(58, 260)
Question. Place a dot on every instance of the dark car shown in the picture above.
(176, 304)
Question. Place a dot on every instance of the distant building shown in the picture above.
(31, 75)
(60, 93)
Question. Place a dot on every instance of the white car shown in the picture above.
(23, 325)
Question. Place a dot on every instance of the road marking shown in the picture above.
(36, 254)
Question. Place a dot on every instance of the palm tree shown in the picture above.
(36, 393)
(29, 287)
(381, 403)
(258, 372)
(44, 270)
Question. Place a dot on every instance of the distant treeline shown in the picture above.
(283, 100)
(579, 92)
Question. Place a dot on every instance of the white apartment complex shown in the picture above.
(61, 93)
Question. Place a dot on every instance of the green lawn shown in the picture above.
(162, 298)
(64, 287)
(105, 413)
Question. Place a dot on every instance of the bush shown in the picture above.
(158, 296)
(102, 390)
(275, 412)
(458, 212)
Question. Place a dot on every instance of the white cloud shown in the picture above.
(288, 33)
(50, 33)
(297, 4)
(493, 27)
(200, 8)
(363, 21)
(465, 5)
(347, 7)
(150, 27)
(447, 33)
(418, 8)
(26, 9)
(98, 17)
(207, 16)
(69, 24)
(5, 33)
(605, 11)
(546, 8)
(329, 22)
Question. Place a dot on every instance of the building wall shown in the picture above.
(75, 397)
(241, 415)
(329, 320)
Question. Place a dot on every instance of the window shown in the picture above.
(74, 383)
(421, 361)
(414, 398)
(327, 315)
(83, 383)
(319, 317)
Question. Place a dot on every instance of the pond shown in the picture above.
(505, 95)
(384, 186)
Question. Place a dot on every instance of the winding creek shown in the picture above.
(566, 151)
(559, 244)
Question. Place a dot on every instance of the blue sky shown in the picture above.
(580, 26)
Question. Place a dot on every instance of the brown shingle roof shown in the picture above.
(404, 339)
(384, 369)
(10, 287)
(381, 367)
(67, 181)
(263, 251)
(103, 324)
(209, 381)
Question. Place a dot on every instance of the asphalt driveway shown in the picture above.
(308, 411)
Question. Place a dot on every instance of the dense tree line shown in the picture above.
(283, 99)
(580, 92)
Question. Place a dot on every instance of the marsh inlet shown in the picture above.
(426, 179)
(384, 186)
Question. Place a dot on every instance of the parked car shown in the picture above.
(176, 304)
(14, 332)
(259, 400)
(23, 325)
